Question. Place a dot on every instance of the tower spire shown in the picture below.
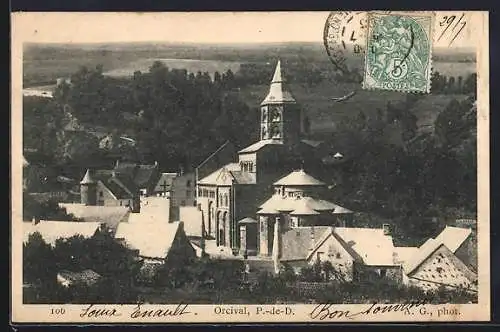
(277, 77)
(278, 92)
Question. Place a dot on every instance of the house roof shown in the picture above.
(453, 237)
(153, 239)
(423, 252)
(298, 178)
(87, 277)
(278, 91)
(109, 215)
(152, 209)
(120, 184)
(298, 242)
(404, 254)
(53, 230)
(192, 219)
(142, 175)
(450, 236)
(259, 145)
(369, 244)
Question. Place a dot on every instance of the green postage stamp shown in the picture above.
(398, 53)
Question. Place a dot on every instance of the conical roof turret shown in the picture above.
(278, 91)
(88, 178)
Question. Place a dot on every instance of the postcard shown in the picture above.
(240, 167)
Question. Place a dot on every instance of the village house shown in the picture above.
(51, 230)
(183, 193)
(110, 216)
(435, 263)
(156, 243)
(109, 188)
(145, 177)
(355, 253)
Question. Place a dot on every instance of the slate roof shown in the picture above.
(152, 240)
(298, 178)
(120, 184)
(53, 230)
(143, 176)
(109, 215)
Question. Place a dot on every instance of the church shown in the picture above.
(234, 192)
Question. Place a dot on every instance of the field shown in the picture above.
(44, 64)
(191, 65)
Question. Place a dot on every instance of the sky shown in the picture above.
(201, 27)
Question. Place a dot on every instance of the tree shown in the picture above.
(38, 261)
(44, 210)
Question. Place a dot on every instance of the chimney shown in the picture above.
(181, 170)
(387, 229)
(35, 220)
(156, 163)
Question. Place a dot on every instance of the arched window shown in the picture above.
(276, 115)
(264, 115)
(264, 132)
(276, 132)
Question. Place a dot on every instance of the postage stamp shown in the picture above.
(399, 52)
(230, 167)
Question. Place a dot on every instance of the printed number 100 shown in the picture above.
(57, 311)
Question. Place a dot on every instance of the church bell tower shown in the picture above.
(280, 114)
